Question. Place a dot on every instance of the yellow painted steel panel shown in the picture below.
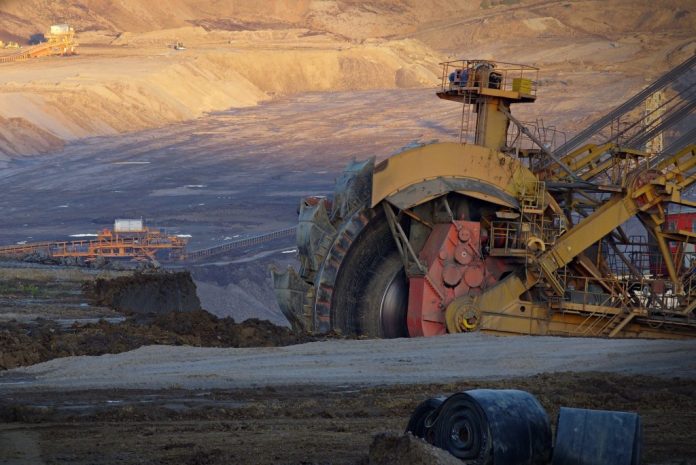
(522, 85)
(449, 160)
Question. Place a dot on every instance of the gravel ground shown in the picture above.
(357, 362)
(302, 425)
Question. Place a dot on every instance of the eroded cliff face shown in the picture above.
(49, 312)
(138, 81)
(146, 294)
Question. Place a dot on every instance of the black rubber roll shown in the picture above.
(421, 418)
(597, 437)
(493, 427)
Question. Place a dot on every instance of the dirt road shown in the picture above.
(356, 363)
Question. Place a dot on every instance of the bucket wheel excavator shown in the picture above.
(498, 232)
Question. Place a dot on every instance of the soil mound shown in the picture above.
(29, 343)
(406, 449)
(17, 136)
(146, 294)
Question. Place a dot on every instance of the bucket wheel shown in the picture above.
(363, 287)
(375, 296)
(398, 242)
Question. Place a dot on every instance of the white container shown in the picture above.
(60, 29)
(124, 225)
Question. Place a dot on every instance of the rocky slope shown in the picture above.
(129, 78)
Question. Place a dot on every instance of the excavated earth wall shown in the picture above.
(146, 294)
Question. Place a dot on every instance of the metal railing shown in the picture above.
(462, 75)
(465, 79)
(239, 244)
(549, 136)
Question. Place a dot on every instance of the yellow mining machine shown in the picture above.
(510, 230)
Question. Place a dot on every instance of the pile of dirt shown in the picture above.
(241, 289)
(24, 344)
(405, 449)
(146, 294)
(18, 136)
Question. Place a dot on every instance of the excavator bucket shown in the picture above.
(290, 291)
(315, 234)
(353, 188)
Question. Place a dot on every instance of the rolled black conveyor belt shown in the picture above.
(597, 437)
(491, 427)
(422, 416)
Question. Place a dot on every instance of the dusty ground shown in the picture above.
(358, 362)
(241, 285)
(29, 291)
(321, 403)
(300, 425)
(48, 312)
(232, 173)
(220, 178)
(139, 82)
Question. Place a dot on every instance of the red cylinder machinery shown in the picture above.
(455, 267)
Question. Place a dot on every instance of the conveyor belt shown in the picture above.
(663, 81)
(31, 52)
(685, 139)
(675, 115)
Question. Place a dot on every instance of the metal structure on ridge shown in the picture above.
(60, 40)
(129, 239)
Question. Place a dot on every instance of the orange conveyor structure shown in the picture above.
(139, 245)
(60, 41)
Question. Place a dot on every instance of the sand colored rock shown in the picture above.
(17, 136)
